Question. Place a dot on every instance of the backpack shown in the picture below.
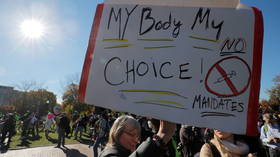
(214, 150)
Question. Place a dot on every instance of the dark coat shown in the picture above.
(118, 151)
(147, 149)
(63, 122)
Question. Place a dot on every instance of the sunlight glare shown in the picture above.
(32, 29)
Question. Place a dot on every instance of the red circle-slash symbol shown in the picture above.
(228, 77)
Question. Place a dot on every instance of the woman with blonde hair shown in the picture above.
(124, 138)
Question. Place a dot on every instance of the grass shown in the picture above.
(37, 141)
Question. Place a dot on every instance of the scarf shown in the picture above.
(233, 149)
(239, 148)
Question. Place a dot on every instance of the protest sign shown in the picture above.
(194, 65)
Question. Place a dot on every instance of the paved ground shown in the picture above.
(73, 150)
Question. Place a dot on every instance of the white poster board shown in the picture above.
(191, 65)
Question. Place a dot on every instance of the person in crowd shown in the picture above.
(124, 138)
(226, 144)
(192, 139)
(111, 119)
(102, 125)
(85, 122)
(145, 129)
(255, 145)
(198, 139)
(80, 126)
(74, 120)
(62, 123)
(186, 138)
(67, 126)
(26, 118)
(8, 128)
(92, 120)
(33, 125)
(48, 124)
(270, 135)
(171, 147)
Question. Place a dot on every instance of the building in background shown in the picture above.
(7, 95)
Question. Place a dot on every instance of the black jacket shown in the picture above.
(147, 149)
(63, 122)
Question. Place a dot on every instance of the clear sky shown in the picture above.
(57, 49)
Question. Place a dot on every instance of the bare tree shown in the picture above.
(276, 79)
(29, 85)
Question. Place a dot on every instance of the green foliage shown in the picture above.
(70, 96)
(40, 101)
(70, 100)
(274, 94)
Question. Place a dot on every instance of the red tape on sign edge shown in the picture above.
(252, 115)
(89, 54)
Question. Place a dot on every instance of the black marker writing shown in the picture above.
(230, 47)
(203, 102)
(150, 22)
(206, 16)
(105, 71)
(131, 70)
(118, 18)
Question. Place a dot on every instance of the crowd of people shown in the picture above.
(119, 135)
(12, 123)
